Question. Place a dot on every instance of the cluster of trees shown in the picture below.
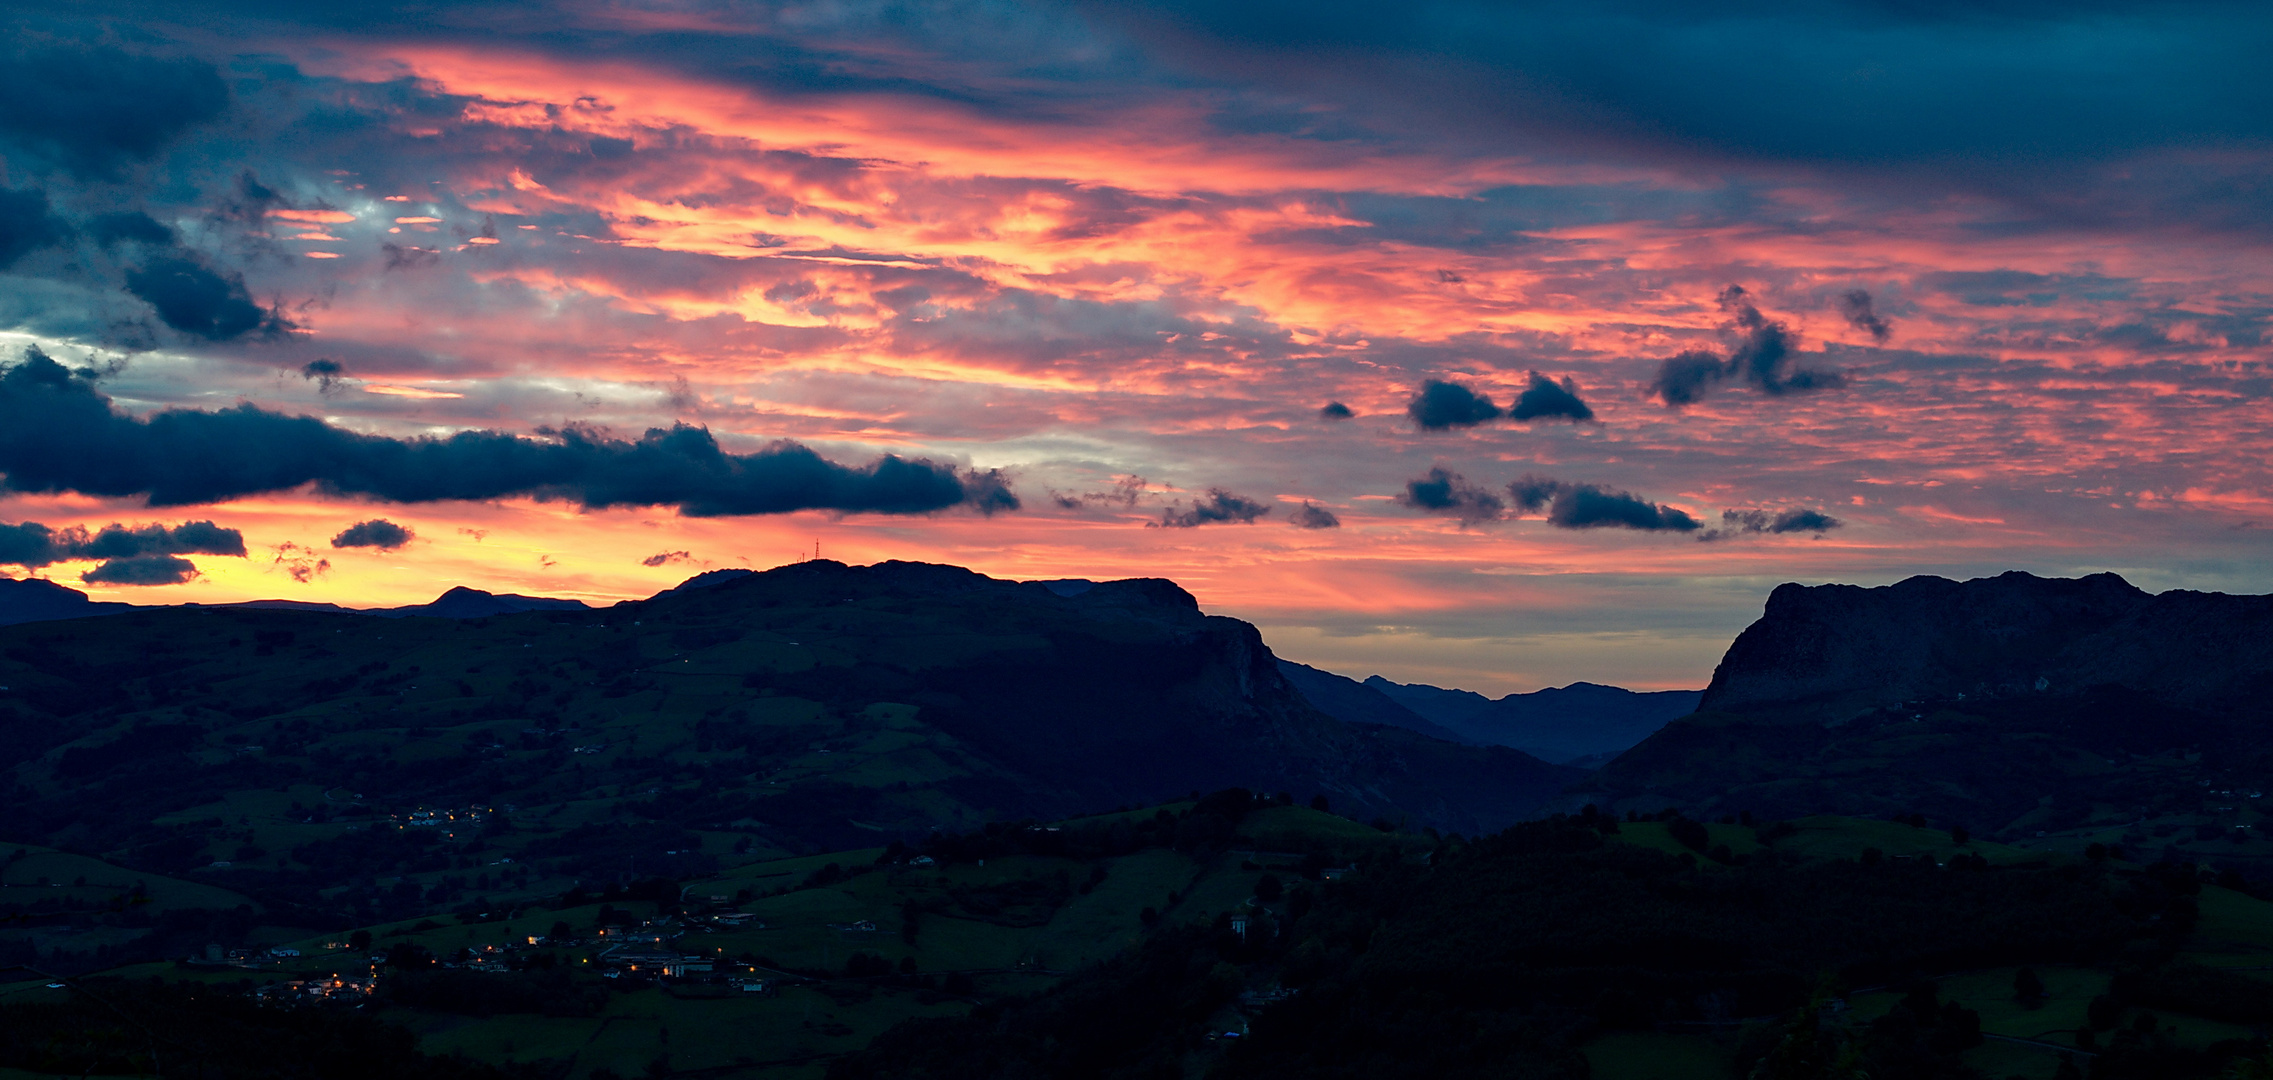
(1921, 1038)
(534, 984)
(1503, 954)
(147, 1027)
(1208, 825)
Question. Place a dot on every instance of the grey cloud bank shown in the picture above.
(58, 433)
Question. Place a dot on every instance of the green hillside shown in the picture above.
(1623, 953)
(848, 943)
(336, 770)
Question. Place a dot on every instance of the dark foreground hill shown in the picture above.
(1559, 950)
(338, 766)
(2013, 704)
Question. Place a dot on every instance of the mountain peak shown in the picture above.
(1827, 651)
(461, 602)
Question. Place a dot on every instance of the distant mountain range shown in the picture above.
(27, 600)
(812, 707)
(1583, 724)
(2012, 704)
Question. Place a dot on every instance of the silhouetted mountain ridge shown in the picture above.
(26, 600)
(1583, 723)
(813, 707)
(1821, 650)
(1349, 700)
(39, 600)
(2011, 704)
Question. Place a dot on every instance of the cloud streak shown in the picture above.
(1590, 506)
(1219, 507)
(142, 570)
(1756, 522)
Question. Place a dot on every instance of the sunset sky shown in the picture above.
(1756, 293)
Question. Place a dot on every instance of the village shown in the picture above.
(630, 954)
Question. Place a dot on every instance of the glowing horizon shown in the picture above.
(1127, 259)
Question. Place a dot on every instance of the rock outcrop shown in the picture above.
(2016, 705)
(1827, 652)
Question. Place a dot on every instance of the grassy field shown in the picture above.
(810, 929)
(2236, 930)
(1846, 838)
(31, 874)
(1013, 923)
(1833, 838)
(1062, 914)
(1650, 1055)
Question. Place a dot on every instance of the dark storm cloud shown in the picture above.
(95, 109)
(376, 533)
(2020, 288)
(129, 226)
(1589, 506)
(200, 301)
(1951, 88)
(1855, 304)
(1442, 405)
(1547, 399)
(57, 433)
(1760, 357)
(1532, 491)
(1763, 348)
(1684, 378)
(1219, 506)
(1443, 491)
(1802, 521)
(29, 544)
(32, 545)
(326, 374)
(26, 225)
(1754, 522)
(412, 257)
(1334, 410)
(142, 570)
(1314, 516)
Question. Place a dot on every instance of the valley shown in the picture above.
(905, 820)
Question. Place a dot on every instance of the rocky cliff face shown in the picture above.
(2015, 705)
(1827, 652)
